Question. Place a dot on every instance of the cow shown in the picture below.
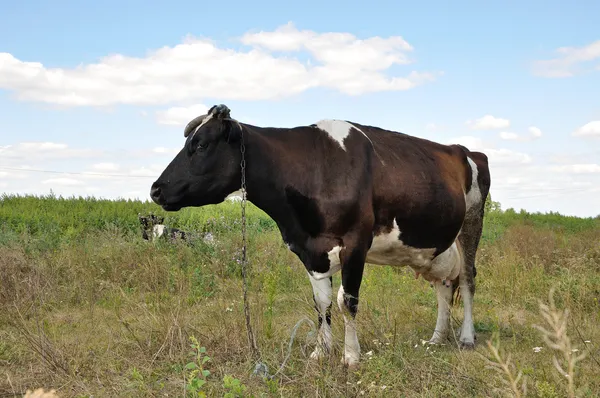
(344, 194)
(153, 228)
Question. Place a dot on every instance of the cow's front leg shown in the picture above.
(322, 289)
(347, 299)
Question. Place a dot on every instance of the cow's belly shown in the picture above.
(387, 249)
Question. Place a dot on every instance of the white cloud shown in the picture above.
(62, 181)
(42, 146)
(41, 151)
(508, 136)
(106, 166)
(590, 155)
(507, 157)
(472, 143)
(500, 157)
(534, 134)
(198, 69)
(179, 115)
(567, 61)
(589, 130)
(488, 122)
(333, 47)
(12, 175)
(535, 131)
(432, 127)
(148, 171)
(168, 151)
(346, 63)
(582, 168)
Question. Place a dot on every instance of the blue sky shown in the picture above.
(103, 88)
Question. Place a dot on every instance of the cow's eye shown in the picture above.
(202, 146)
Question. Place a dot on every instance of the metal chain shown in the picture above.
(251, 339)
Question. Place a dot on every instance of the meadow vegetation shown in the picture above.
(89, 308)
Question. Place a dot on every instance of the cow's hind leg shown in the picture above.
(322, 291)
(447, 265)
(444, 300)
(469, 239)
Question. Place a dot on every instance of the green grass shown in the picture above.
(91, 309)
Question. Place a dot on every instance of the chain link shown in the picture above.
(251, 339)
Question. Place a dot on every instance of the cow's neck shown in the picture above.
(265, 184)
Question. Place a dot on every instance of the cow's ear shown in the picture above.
(233, 130)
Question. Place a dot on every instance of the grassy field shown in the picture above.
(89, 308)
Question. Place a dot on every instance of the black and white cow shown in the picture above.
(342, 194)
(153, 228)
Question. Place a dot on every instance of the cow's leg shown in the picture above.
(444, 272)
(352, 271)
(444, 300)
(469, 238)
(322, 290)
(467, 291)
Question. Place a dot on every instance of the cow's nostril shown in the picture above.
(155, 192)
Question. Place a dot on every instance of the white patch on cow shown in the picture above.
(322, 292)
(334, 257)
(388, 249)
(158, 231)
(351, 346)
(474, 195)
(334, 264)
(338, 129)
(444, 296)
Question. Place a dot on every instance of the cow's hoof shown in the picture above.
(437, 338)
(317, 354)
(467, 345)
(350, 362)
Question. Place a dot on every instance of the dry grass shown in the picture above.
(113, 316)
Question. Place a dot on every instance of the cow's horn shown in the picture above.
(192, 125)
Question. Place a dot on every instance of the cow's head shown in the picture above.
(207, 169)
